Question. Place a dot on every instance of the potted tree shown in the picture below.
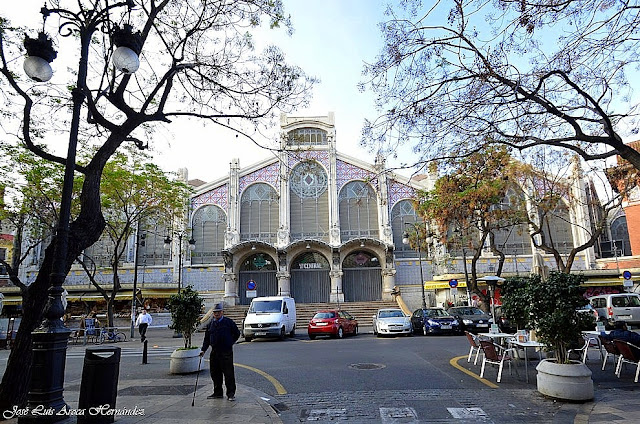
(552, 311)
(185, 308)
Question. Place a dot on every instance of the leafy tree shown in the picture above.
(197, 62)
(133, 191)
(185, 308)
(551, 308)
(463, 204)
(452, 76)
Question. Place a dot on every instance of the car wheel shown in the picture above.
(424, 331)
(355, 330)
(247, 338)
(293, 331)
(340, 333)
(312, 336)
(375, 331)
(282, 333)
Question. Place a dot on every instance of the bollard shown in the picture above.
(144, 352)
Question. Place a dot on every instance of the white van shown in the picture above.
(272, 316)
(617, 307)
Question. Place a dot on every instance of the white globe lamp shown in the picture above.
(126, 60)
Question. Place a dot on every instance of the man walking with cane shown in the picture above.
(221, 334)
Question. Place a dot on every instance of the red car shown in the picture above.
(332, 323)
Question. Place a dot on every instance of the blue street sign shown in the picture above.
(453, 283)
(251, 285)
(627, 275)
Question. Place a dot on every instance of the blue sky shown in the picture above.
(332, 39)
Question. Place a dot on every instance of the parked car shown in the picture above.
(434, 321)
(471, 319)
(391, 321)
(617, 307)
(332, 323)
(504, 324)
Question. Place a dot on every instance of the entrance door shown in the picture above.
(310, 285)
(261, 269)
(310, 282)
(361, 278)
(266, 284)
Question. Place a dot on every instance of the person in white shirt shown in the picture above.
(143, 321)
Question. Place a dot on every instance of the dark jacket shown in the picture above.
(220, 335)
(626, 335)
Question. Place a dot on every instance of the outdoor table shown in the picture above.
(497, 336)
(524, 346)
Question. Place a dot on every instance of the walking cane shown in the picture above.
(196, 387)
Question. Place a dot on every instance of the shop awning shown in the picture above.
(613, 281)
(432, 285)
(95, 296)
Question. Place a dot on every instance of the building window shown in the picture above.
(209, 227)
(401, 214)
(309, 202)
(259, 213)
(307, 137)
(358, 211)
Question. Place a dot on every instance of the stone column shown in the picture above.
(337, 295)
(388, 281)
(284, 283)
(230, 289)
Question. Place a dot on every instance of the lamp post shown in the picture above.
(139, 242)
(49, 341)
(192, 245)
(405, 240)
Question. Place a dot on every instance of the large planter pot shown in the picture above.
(565, 381)
(184, 361)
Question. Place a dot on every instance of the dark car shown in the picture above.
(471, 319)
(504, 324)
(434, 321)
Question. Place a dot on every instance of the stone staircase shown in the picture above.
(362, 311)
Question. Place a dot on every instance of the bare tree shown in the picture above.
(522, 73)
(197, 61)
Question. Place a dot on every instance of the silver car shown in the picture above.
(391, 321)
(617, 307)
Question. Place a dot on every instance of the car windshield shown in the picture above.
(437, 313)
(266, 306)
(467, 311)
(390, 314)
(324, 315)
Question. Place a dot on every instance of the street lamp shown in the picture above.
(192, 245)
(49, 342)
(406, 240)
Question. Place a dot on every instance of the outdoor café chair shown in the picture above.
(630, 354)
(496, 355)
(610, 349)
(474, 345)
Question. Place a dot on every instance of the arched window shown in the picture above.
(620, 236)
(309, 202)
(209, 226)
(358, 211)
(401, 214)
(259, 213)
(556, 227)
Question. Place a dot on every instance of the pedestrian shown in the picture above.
(143, 321)
(221, 334)
(622, 332)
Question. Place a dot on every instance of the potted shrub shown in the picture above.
(552, 311)
(185, 308)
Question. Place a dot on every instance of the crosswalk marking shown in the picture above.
(130, 351)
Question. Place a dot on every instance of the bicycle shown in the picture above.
(110, 335)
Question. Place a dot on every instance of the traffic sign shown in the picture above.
(627, 275)
(251, 285)
(453, 283)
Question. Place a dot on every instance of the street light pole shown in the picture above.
(192, 245)
(135, 281)
(49, 341)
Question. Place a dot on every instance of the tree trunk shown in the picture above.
(84, 231)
